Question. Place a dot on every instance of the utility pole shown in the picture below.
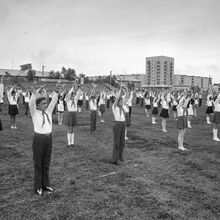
(43, 71)
(111, 77)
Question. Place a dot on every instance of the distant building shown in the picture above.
(159, 72)
(133, 78)
(22, 73)
(192, 81)
(216, 87)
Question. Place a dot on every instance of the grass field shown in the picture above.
(156, 182)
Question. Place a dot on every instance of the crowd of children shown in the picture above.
(182, 104)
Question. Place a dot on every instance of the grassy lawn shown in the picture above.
(156, 182)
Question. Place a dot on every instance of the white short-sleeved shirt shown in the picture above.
(92, 105)
(60, 106)
(71, 106)
(119, 115)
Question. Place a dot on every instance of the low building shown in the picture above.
(22, 73)
(133, 78)
(203, 83)
(216, 87)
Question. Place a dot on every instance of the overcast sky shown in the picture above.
(97, 36)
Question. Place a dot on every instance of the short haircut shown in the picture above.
(39, 100)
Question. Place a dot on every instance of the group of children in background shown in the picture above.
(41, 105)
(182, 104)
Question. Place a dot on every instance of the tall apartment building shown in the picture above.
(159, 71)
(192, 81)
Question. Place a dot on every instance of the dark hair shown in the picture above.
(13, 92)
(39, 100)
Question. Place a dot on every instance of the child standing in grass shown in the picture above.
(165, 111)
(147, 104)
(71, 103)
(182, 121)
(216, 118)
(119, 128)
(209, 110)
(13, 105)
(93, 110)
(102, 105)
(155, 108)
(60, 108)
(41, 114)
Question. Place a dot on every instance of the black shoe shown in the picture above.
(47, 189)
(39, 192)
(122, 160)
(116, 163)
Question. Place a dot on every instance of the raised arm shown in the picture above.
(117, 97)
(32, 103)
(126, 96)
(53, 102)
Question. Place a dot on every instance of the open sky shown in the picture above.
(97, 36)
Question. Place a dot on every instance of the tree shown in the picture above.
(63, 72)
(57, 75)
(51, 74)
(31, 75)
(70, 74)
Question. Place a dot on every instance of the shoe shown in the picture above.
(15, 127)
(116, 163)
(216, 139)
(126, 138)
(39, 192)
(47, 189)
(72, 145)
(102, 121)
(165, 131)
(183, 148)
(12, 127)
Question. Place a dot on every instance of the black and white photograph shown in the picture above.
(109, 110)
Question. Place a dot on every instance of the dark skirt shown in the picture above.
(209, 110)
(216, 118)
(174, 108)
(155, 111)
(164, 113)
(102, 108)
(80, 103)
(126, 119)
(70, 119)
(12, 110)
(182, 122)
(148, 107)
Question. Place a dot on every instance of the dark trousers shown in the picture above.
(129, 113)
(93, 116)
(87, 104)
(119, 141)
(42, 149)
(142, 102)
(108, 103)
(26, 106)
(200, 102)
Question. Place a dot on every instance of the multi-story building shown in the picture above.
(159, 72)
(192, 81)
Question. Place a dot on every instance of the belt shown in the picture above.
(47, 134)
